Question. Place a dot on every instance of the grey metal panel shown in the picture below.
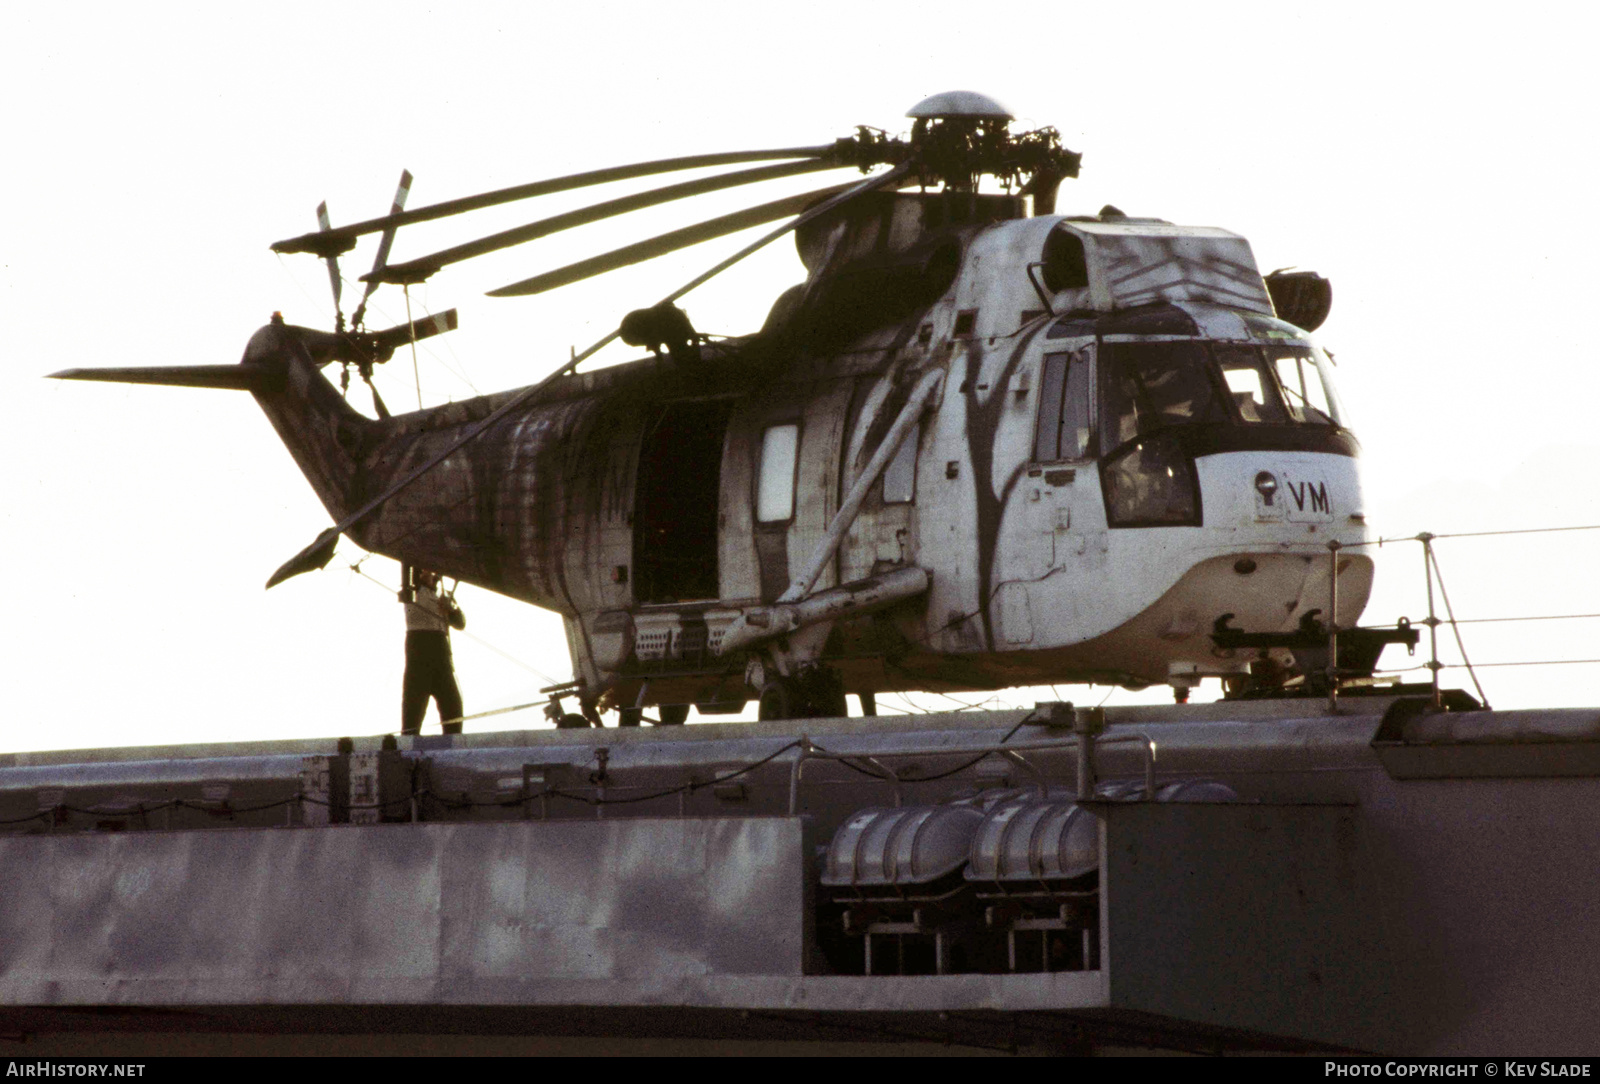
(1253, 917)
(1489, 900)
(278, 768)
(184, 907)
(26, 917)
(412, 912)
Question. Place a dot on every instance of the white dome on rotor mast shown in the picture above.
(960, 103)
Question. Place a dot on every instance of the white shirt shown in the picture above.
(429, 613)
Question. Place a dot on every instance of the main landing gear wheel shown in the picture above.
(778, 700)
(815, 694)
(629, 716)
(673, 714)
(572, 721)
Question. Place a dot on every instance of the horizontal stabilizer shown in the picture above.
(237, 377)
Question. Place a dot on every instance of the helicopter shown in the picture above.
(982, 445)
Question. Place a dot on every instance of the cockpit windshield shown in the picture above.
(1251, 382)
(1151, 385)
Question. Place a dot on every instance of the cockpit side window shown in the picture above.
(1064, 393)
(1150, 385)
(1303, 391)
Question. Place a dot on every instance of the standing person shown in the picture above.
(430, 671)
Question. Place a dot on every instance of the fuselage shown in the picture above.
(1126, 445)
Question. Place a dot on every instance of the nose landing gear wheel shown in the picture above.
(673, 714)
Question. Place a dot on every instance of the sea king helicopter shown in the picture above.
(982, 445)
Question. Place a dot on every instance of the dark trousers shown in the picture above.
(430, 672)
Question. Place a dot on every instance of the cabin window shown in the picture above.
(900, 476)
(1151, 385)
(1063, 408)
(780, 448)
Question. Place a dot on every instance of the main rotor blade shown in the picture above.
(664, 243)
(344, 238)
(890, 179)
(320, 551)
(422, 267)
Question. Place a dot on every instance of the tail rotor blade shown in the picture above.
(382, 259)
(400, 195)
(331, 260)
(417, 330)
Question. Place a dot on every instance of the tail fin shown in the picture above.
(281, 367)
(236, 377)
(344, 455)
(355, 346)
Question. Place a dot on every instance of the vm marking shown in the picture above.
(1317, 494)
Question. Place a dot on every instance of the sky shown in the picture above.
(1438, 168)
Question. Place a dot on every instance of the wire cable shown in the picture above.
(1449, 610)
(958, 769)
(1425, 536)
(1520, 530)
(1526, 662)
(1496, 620)
(1486, 665)
(686, 788)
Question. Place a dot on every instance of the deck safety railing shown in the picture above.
(1433, 578)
